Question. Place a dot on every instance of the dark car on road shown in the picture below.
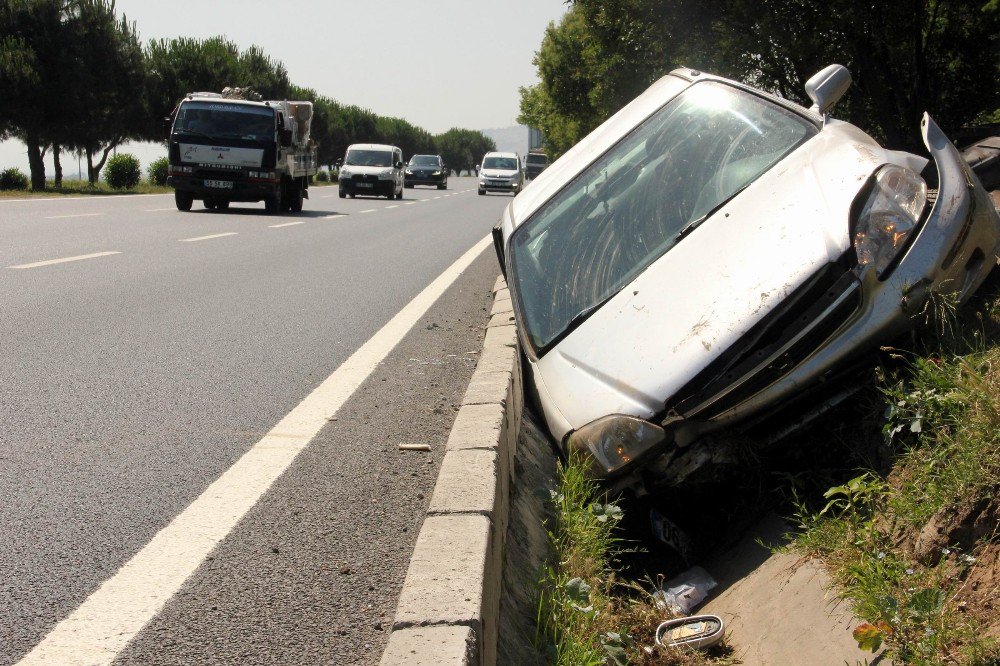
(426, 170)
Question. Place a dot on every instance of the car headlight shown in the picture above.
(344, 173)
(612, 442)
(385, 174)
(436, 173)
(889, 217)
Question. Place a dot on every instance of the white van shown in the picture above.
(501, 172)
(372, 168)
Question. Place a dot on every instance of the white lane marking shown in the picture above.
(388, 207)
(52, 262)
(110, 617)
(410, 203)
(285, 224)
(86, 198)
(63, 217)
(335, 216)
(160, 210)
(433, 198)
(201, 238)
(370, 210)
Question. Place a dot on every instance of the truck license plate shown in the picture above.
(224, 184)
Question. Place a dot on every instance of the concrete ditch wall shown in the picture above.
(450, 602)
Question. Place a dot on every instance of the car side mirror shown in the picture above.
(340, 162)
(827, 86)
(167, 126)
(286, 137)
(399, 164)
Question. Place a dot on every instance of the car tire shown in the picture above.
(222, 204)
(400, 195)
(409, 186)
(352, 195)
(183, 200)
(482, 192)
(209, 203)
(342, 194)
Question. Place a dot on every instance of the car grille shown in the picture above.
(364, 178)
(772, 348)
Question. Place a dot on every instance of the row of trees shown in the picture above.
(905, 57)
(76, 77)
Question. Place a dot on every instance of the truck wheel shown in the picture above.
(183, 200)
(295, 197)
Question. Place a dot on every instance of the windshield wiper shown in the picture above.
(192, 131)
(585, 313)
(696, 222)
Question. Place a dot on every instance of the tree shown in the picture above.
(463, 149)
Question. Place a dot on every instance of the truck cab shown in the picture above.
(231, 147)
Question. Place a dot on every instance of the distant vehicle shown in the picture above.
(372, 168)
(534, 164)
(501, 172)
(426, 170)
(235, 147)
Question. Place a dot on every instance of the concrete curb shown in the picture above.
(450, 602)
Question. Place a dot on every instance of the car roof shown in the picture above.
(372, 146)
(499, 154)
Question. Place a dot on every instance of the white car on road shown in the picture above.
(372, 169)
(501, 172)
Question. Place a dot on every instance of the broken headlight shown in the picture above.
(612, 442)
(889, 217)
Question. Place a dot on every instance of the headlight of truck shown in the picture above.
(612, 442)
(889, 217)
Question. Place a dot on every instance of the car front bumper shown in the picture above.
(499, 186)
(371, 188)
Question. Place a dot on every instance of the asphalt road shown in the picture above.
(133, 378)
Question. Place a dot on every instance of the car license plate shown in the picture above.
(223, 184)
(364, 184)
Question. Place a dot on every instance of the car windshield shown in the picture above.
(502, 163)
(640, 198)
(424, 160)
(219, 120)
(537, 159)
(371, 158)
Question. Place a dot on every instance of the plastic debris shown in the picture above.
(698, 632)
(682, 593)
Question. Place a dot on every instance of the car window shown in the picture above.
(504, 163)
(375, 158)
(629, 207)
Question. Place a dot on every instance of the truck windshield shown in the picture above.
(537, 159)
(371, 158)
(424, 160)
(220, 120)
(634, 203)
(505, 163)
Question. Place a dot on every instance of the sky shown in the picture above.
(437, 63)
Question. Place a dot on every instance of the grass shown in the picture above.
(904, 546)
(79, 188)
(585, 613)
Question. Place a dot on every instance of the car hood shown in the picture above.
(694, 302)
(364, 169)
(498, 173)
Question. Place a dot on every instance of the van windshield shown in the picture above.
(372, 158)
(503, 163)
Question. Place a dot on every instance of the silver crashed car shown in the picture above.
(712, 253)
